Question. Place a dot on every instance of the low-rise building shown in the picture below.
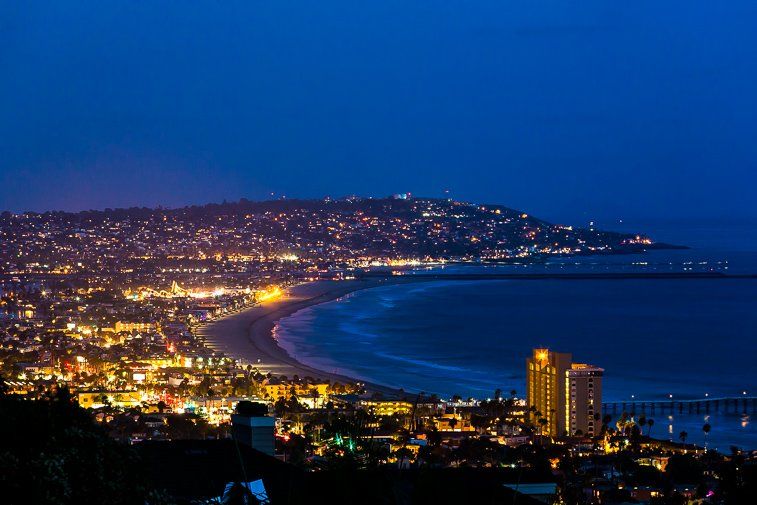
(386, 407)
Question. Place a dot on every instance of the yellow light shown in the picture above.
(269, 294)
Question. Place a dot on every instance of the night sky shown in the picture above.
(563, 109)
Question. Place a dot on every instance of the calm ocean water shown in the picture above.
(653, 337)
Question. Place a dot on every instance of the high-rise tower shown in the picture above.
(565, 395)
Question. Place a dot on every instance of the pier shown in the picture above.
(734, 404)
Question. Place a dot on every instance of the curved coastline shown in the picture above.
(249, 335)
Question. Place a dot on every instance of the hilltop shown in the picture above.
(318, 233)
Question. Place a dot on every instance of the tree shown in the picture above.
(57, 455)
(480, 422)
(650, 423)
(204, 387)
(606, 420)
(404, 456)
(453, 423)
(642, 422)
(706, 429)
(280, 407)
(252, 409)
(314, 395)
(635, 436)
(683, 435)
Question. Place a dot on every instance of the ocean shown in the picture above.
(654, 338)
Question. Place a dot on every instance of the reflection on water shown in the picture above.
(727, 429)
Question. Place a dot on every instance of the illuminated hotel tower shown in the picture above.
(545, 388)
(566, 394)
(583, 399)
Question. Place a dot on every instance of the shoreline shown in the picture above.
(249, 335)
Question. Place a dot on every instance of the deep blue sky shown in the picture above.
(564, 109)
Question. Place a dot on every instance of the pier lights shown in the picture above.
(743, 393)
(670, 396)
(706, 395)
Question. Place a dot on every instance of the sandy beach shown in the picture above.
(248, 335)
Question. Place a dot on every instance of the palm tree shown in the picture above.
(683, 435)
(706, 429)
(650, 423)
(642, 421)
(314, 395)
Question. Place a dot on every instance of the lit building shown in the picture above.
(135, 326)
(280, 389)
(123, 399)
(545, 388)
(583, 399)
(565, 395)
(387, 407)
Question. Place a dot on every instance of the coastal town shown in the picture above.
(378, 253)
(159, 325)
